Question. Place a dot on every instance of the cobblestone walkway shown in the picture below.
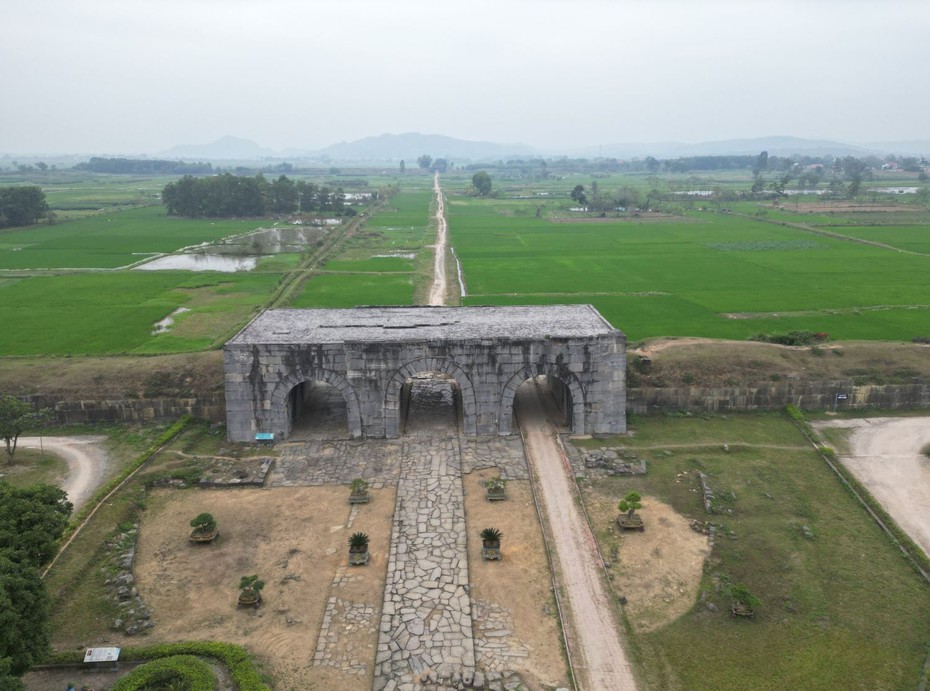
(426, 623)
(346, 625)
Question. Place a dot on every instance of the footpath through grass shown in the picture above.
(840, 608)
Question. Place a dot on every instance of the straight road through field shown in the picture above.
(598, 657)
(437, 292)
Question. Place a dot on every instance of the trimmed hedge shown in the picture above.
(177, 668)
(235, 657)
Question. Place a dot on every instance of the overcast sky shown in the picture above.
(134, 76)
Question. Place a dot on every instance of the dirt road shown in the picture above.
(885, 455)
(86, 459)
(437, 292)
(594, 640)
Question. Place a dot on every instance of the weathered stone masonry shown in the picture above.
(369, 353)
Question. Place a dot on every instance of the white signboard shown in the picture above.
(101, 655)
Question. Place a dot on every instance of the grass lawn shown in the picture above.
(840, 609)
(31, 466)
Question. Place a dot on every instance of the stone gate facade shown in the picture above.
(369, 353)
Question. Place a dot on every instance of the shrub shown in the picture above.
(491, 535)
(630, 503)
(235, 657)
(792, 338)
(740, 593)
(204, 523)
(186, 669)
(358, 541)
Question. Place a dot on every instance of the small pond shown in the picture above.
(202, 261)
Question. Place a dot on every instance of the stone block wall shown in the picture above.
(810, 395)
(371, 375)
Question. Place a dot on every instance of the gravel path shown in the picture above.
(86, 459)
(597, 653)
(437, 292)
(885, 455)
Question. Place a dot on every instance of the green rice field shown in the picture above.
(702, 274)
(378, 266)
(110, 240)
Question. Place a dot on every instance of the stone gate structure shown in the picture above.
(369, 353)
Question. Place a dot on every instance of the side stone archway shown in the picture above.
(369, 353)
(553, 371)
(392, 398)
(281, 418)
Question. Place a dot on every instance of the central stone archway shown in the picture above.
(392, 399)
(369, 353)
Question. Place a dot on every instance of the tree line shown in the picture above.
(233, 195)
(142, 166)
(22, 205)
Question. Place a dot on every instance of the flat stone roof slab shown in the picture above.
(401, 324)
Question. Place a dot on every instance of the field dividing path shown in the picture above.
(437, 292)
(592, 630)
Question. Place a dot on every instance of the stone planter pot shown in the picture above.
(249, 599)
(359, 497)
(741, 609)
(358, 557)
(490, 550)
(198, 537)
(496, 494)
(634, 522)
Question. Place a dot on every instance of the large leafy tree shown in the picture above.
(23, 619)
(15, 418)
(31, 520)
(22, 206)
(482, 183)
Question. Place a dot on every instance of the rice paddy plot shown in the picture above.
(102, 313)
(110, 240)
(687, 279)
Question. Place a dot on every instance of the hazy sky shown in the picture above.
(132, 76)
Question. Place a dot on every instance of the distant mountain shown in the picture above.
(920, 147)
(776, 146)
(409, 146)
(225, 148)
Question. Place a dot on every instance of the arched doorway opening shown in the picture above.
(561, 396)
(317, 410)
(555, 399)
(430, 404)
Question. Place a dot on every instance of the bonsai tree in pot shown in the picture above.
(497, 489)
(250, 591)
(628, 518)
(491, 543)
(358, 549)
(742, 602)
(204, 528)
(359, 492)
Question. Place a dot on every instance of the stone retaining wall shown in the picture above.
(211, 408)
(811, 395)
